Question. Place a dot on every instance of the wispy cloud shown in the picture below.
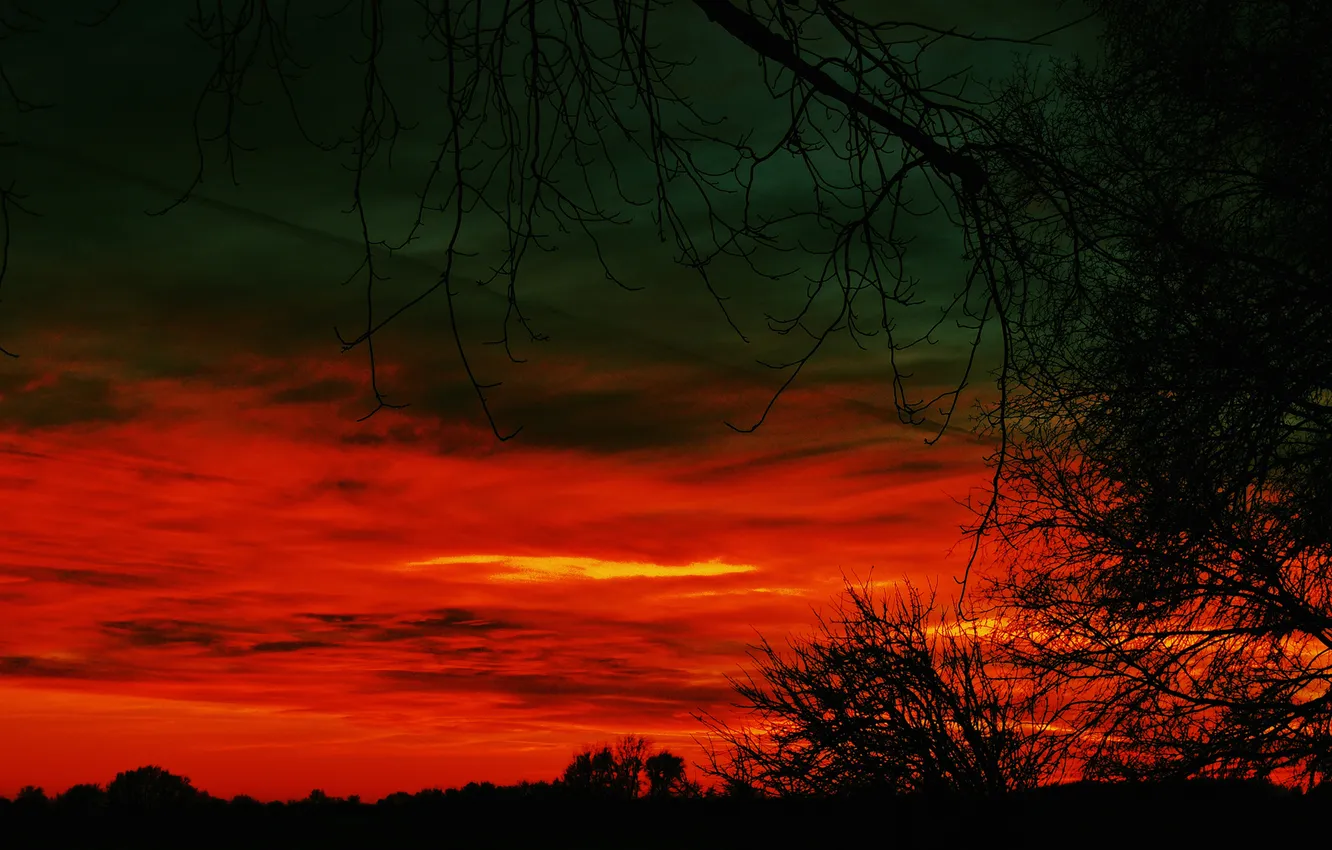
(555, 567)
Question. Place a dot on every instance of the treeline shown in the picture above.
(151, 807)
(626, 770)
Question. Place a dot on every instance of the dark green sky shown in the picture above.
(255, 267)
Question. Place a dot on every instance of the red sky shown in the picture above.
(270, 598)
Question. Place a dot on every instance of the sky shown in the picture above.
(211, 564)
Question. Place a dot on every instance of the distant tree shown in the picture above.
(475, 791)
(317, 797)
(432, 796)
(82, 799)
(396, 799)
(245, 801)
(665, 774)
(591, 771)
(541, 789)
(1162, 538)
(610, 771)
(630, 757)
(31, 798)
(889, 695)
(150, 788)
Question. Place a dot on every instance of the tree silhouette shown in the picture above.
(150, 788)
(609, 771)
(666, 775)
(31, 798)
(1163, 530)
(891, 695)
(81, 799)
(317, 797)
(547, 105)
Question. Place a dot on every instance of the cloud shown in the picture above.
(82, 577)
(552, 568)
(290, 645)
(161, 632)
(662, 686)
(322, 390)
(447, 619)
(59, 400)
(437, 623)
(31, 667)
(606, 420)
(336, 619)
(348, 485)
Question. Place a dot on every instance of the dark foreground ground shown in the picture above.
(1099, 816)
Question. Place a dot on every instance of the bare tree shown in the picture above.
(548, 105)
(891, 694)
(1163, 526)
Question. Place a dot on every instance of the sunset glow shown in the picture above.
(271, 597)
(552, 567)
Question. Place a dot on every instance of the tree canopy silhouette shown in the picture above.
(1164, 523)
(150, 788)
(31, 798)
(620, 771)
(666, 777)
(609, 771)
(84, 798)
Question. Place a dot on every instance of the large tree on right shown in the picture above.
(1162, 520)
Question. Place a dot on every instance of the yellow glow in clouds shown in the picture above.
(553, 567)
